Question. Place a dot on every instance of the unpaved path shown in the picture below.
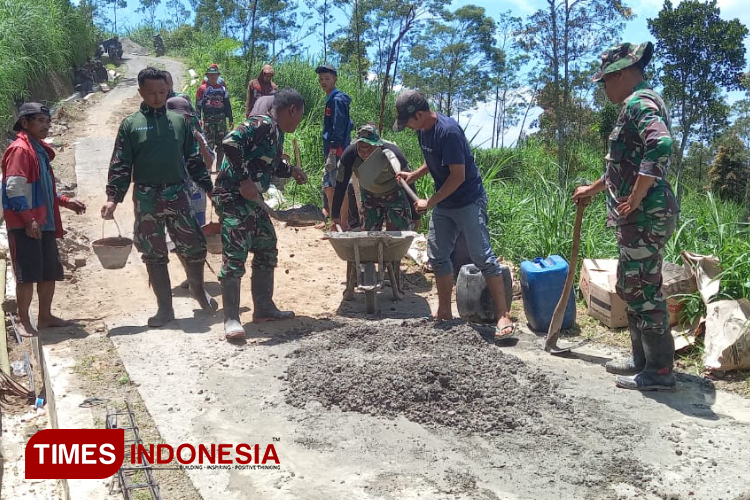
(524, 425)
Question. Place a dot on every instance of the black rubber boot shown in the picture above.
(197, 290)
(658, 346)
(230, 293)
(158, 275)
(637, 362)
(262, 289)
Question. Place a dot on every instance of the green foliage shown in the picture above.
(729, 173)
(699, 54)
(37, 39)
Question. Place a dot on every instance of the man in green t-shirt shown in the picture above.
(155, 148)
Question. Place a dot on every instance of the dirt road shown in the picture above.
(391, 407)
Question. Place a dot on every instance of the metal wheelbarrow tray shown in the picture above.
(365, 249)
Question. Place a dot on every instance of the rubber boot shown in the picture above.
(262, 288)
(158, 275)
(637, 362)
(658, 347)
(230, 293)
(197, 290)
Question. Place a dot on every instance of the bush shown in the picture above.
(37, 39)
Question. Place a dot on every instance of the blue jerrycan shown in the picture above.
(542, 282)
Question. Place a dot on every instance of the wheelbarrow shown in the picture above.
(363, 251)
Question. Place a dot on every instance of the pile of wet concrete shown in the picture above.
(447, 375)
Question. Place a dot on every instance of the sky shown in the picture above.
(478, 122)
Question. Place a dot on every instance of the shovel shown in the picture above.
(550, 344)
(394, 163)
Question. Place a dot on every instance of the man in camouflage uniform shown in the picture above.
(642, 206)
(214, 109)
(386, 202)
(156, 149)
(253, 154)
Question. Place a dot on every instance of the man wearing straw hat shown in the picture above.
(31, 207)
(254, 154)
(155, 147)
(643, 208)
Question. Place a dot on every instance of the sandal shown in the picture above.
(500, 329)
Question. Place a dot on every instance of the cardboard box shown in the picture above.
(676, 281)
(597, 283)
(598, 280)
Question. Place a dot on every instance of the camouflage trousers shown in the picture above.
(392, 209)
(160, 207)
(639, 278)
(215, 133)
(245, 227)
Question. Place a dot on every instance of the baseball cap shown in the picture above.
(179, 105)
(326, 68)
(623, 55)
(369, 135)
(30, 109)
(213, 70)
(407, 105)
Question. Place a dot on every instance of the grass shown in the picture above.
(36, 39)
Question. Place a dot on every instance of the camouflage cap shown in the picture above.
(213, 69)
(369, 135)
(622, 56)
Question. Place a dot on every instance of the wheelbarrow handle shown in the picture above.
(406, 188)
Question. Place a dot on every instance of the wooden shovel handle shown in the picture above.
(406, 188)
(557, 317)
(297, 159)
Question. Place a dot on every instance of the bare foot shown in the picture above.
(25, 329)
(441, 316)
(53, 322)
(321, 225)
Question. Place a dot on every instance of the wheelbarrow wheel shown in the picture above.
(371, 296)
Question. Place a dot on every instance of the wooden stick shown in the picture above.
(406, 188)
(550, 344)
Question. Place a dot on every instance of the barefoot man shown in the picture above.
(31, 207)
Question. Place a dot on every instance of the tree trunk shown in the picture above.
(408, 21)
(526, 115)
(359, 42)
(325, 23)
(494, 117)
(252, 33)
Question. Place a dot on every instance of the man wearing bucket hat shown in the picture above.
(156, 150)
(214, 109)
(385, 202)
(643, 209)
(31, 207)
(460, 203)
(254, 154)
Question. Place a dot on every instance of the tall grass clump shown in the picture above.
(37, 39)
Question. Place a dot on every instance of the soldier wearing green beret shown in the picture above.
(642, 207)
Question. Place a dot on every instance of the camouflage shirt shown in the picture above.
(253, 151)
(640, 143)
(154, 146)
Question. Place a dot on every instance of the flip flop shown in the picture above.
(500, 329)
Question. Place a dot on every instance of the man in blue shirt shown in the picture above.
(337, 129)
(459, 203)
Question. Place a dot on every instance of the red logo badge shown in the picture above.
(74, 453)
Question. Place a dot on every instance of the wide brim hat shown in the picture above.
(623, 55)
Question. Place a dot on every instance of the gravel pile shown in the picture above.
(444, 375)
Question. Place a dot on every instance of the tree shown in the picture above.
(506, 62)
(729, 172)
(562, 37)
(277, 22)
(115, 4)
(323, 9)
(450, 62)
(700, 55)
(177, 12)
(351, 45)
(149, 7)
(208, 16)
